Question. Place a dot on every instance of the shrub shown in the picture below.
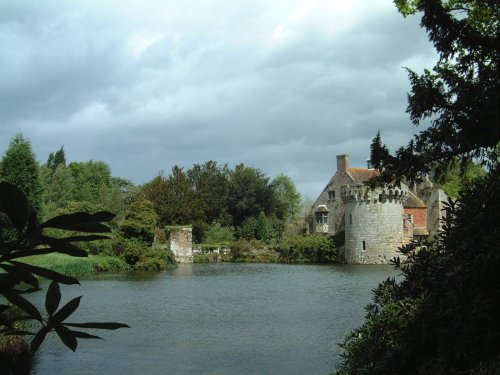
(155, 260)
(217, 234)
(131, 250)
(316, 248)
(239, 249)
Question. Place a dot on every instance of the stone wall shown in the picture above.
(436, 214)
(181, 244)
(373, 223)
(335, 206)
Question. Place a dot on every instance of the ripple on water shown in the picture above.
(218, 319)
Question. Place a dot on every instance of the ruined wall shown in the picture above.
(181, 244)
(373, 223)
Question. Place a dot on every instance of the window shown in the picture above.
(321, 217)
(364, 245)
(350, 219)
(331, 195)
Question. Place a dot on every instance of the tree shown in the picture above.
(20, 168)
(140, 221)
(440, 318)
(159, 192)
(459, 97)
(92, 180)
(210, 185)
(58, 187)
(287, 196)
(457, 177)
(57, 159)
(249, 193)
(21, 235)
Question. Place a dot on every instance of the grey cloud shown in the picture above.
(210, 84)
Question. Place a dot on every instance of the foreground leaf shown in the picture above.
(102, 325)
(67, 337)
(53, 298)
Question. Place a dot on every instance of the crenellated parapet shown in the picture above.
(363, 193)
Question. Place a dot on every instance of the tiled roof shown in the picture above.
(362, 174)
(413, 201)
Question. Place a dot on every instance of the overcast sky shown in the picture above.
(281, 85)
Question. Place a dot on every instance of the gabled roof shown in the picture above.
(413, 201)
(361, 174)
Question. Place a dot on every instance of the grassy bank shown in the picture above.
(78, 266)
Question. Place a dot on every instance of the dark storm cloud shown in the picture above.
(283, 86)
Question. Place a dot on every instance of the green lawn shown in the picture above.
(77, 266)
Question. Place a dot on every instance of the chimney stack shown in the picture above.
(342, 163)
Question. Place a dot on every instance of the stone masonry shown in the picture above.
(373, 224)
(376, 222)
(181, 243)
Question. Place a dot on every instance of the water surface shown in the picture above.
(217, 319)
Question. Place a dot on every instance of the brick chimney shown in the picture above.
(342, 163)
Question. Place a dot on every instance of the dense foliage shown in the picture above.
(316, 248)
(242, 198)
(19, 167)
(459, 97)
(21, 236)
(440, 318)
(220, 204)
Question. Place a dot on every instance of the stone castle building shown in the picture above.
(376, 221)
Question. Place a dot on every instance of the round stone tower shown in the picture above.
(373, 223)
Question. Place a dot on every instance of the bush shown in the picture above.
(316, 248)
(155, 260)
(130, 250)
(239, 249)
(218, 234)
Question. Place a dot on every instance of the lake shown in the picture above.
(226, 318)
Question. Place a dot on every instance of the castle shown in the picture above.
(376, 221)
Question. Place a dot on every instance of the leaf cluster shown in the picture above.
(440, 318)
(316, 248)
(458, 99)
(20, 236)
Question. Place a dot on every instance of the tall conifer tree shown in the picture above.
(20, 168)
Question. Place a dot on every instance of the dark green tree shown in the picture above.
(440, 318)
(173, 198)
(20, 168)
(210, 184)
(57, 159)
(140, 221)
(159, 192)
(250, 192)
(459, 97)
